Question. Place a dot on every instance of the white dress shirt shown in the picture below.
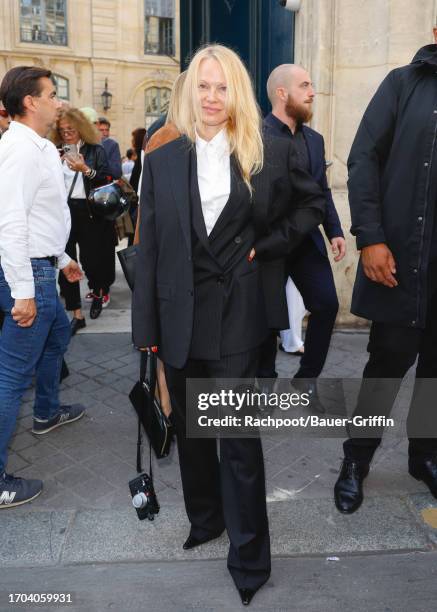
(34, 215)
(213, 176)
(78, 192)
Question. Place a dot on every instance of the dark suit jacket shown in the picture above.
(286, 205)
(112, 151)
(316, 153)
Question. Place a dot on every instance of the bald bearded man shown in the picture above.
(291, 94)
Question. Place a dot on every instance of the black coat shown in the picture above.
(286, 204)
(393, 189)
(95, 158)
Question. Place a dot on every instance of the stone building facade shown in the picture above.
(133, 44)
(349, 46)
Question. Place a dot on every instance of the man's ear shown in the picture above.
(28, 103)
(434, 31)
(281, 94)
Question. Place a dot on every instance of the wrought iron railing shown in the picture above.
(42, 37)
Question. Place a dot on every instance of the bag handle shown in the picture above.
(73, 184)
(151, 400)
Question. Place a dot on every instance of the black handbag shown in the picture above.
(128, 260)
(156, 425)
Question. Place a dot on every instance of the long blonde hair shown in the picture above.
(244, 118)
(176, 99)
(87, 131)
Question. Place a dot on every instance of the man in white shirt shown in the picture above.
(34, 227)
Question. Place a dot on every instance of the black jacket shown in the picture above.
(95, 158)
(286, 205)
(316, 154)
(393, 189)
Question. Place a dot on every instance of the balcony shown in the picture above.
(161, 48)
(42, 37)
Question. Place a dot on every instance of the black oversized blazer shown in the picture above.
(287, 204)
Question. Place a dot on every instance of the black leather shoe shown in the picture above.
(76, 324)
(425, 470)
(348, 490)
(96, 307)
(246, 596)
(192, 542)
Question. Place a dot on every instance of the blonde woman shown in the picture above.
(214, 204)
(85, 166)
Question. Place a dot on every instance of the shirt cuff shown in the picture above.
(63, 261)
(23, 291)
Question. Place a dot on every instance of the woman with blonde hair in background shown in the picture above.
(166, 134)
(85, 167)
(215, 204)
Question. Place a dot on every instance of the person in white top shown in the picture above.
(34, 227)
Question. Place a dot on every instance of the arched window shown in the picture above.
(62, 86)
(157, 99)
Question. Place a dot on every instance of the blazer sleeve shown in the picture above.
(369, 152)
(305, 211)
(331, 223)
(145, 326)
(100, 163)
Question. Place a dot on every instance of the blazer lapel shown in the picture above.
(179, 174)
(196, 204)
(238, 191)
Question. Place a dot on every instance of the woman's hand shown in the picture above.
(77, 163)
(251, 255)
(153, 349)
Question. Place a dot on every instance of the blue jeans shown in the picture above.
(37, 349)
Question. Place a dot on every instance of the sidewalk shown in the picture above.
(84, 515)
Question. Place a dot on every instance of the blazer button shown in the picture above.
(221, 279)
(237, 239)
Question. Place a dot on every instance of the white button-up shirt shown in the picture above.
(213, 175)
(34, 214)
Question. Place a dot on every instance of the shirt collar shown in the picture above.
(275, 122)
(219, 144)
(16, 127)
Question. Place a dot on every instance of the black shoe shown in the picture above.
(192, 542)
(425, 470)
(246, 596)
(66, 414)
(348, 490)
(76, 324)
(295, 353)
(304, 385)
(96, 307)
(17, 491)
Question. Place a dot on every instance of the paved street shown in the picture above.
(80, 533)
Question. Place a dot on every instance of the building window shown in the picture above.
(157, 99)
(43, 21)
(159, 27)
(62, 87)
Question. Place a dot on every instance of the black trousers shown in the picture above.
(311, 272)
(229, 492)
(96, 239)
(392, 352)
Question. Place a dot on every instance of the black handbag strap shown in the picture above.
(151, 399)
(72, 185)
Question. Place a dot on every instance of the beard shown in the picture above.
(301, 113)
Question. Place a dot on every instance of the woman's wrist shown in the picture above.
(89, 172)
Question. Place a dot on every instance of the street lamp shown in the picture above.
(106, 97)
